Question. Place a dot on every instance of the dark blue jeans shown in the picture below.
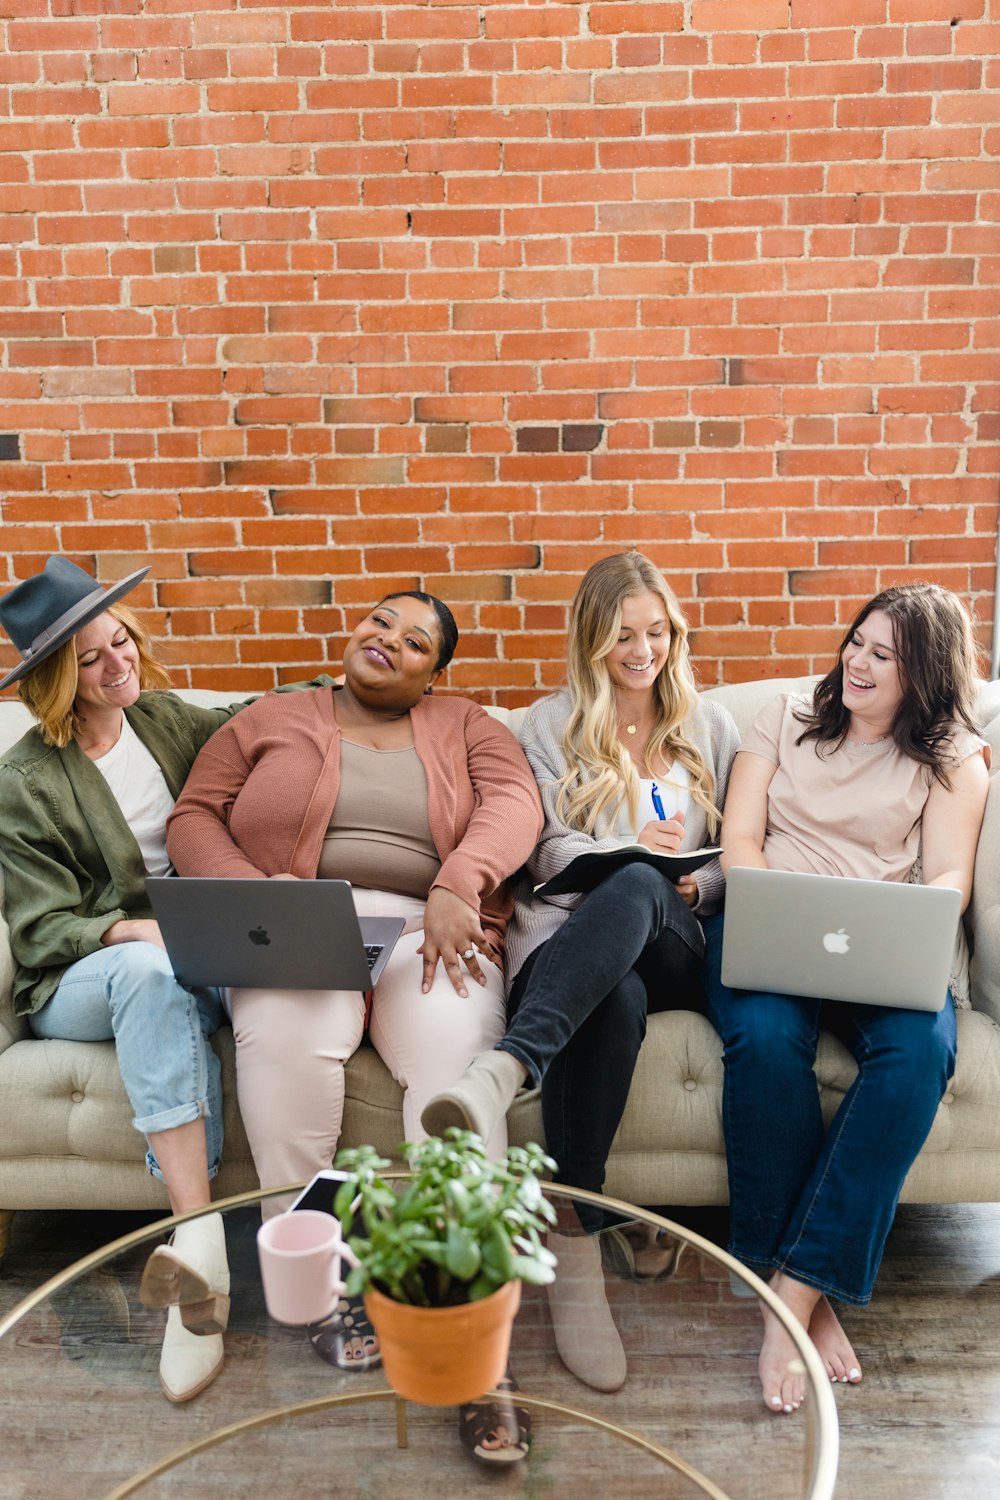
(579, 1006)
(818, 1204)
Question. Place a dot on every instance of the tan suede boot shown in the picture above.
(588, 1341)
(480, 1098)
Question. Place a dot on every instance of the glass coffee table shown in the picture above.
(82, 1415)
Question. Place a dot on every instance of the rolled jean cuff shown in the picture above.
(171, 1119)
(153, 1168)
(182, 1115)
(530, 1067)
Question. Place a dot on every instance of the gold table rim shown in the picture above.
(825, 1450)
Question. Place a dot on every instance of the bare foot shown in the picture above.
(782, 1374)
(833, 1345)
(359, 1351)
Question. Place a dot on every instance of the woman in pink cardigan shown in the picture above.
(427, 806)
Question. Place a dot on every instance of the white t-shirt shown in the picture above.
(673, 794)
(137, 785)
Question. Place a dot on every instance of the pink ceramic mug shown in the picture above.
(300, 1254)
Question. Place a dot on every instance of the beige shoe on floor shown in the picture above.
(588, 1341)
(188, 1361)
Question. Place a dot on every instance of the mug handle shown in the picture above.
(346, 1253)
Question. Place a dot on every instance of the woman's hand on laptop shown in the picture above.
(452, 933)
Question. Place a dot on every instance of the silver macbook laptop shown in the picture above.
(264, 934)
(874, 941)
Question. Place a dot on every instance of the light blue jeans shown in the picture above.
(128, 993)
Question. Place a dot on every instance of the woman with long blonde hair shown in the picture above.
(626, 754)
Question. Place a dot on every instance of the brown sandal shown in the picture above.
(496, 1432)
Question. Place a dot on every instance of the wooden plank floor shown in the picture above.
(925, 1424)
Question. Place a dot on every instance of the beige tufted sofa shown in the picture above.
(66, 1139)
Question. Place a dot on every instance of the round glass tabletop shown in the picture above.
(83, 1416)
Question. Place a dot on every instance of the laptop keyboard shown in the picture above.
(372, 951)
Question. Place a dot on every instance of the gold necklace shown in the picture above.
(631, 729)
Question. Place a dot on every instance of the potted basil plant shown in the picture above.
(441, 1256)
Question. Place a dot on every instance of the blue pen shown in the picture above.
(657, 804)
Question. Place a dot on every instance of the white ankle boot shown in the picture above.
(192, 1271)
(190, 1277)
(588, 1341)
(188, 1361)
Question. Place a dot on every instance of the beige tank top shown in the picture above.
(854, 810)
(379, 834)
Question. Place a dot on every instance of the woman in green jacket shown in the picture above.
(84, 799)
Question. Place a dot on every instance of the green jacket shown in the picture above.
(71, 865)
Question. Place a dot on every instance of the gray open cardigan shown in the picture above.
(711, 728)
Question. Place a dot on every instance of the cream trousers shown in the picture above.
(291, 1047)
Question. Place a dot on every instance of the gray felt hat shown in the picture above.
(46, 610)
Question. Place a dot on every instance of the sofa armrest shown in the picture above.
(12, 1028)
(982, 918)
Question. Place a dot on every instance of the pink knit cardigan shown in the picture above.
(259, 796)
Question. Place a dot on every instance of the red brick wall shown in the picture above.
(306, 300)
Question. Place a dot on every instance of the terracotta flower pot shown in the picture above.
(442, 1356)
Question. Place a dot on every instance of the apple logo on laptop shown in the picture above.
(836, 942)
(259, 936)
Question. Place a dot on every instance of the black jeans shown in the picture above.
(579, 1007)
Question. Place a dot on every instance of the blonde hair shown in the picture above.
(601, 774)
(49, 692)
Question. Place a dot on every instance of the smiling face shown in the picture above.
(107, 661)
(873, 684)
(391, 659)
(639, 655)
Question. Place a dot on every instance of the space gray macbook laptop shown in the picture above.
(264, 934)
(878, 942)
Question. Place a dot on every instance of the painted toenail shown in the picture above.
(786, 1407)
(855, 1375)
(775, 1401)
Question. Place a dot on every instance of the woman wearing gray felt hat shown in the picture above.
(43, 612)
(110, 752)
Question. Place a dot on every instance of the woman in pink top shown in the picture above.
(882, 763)
(427, 806)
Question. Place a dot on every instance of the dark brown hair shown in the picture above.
(936, 657)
